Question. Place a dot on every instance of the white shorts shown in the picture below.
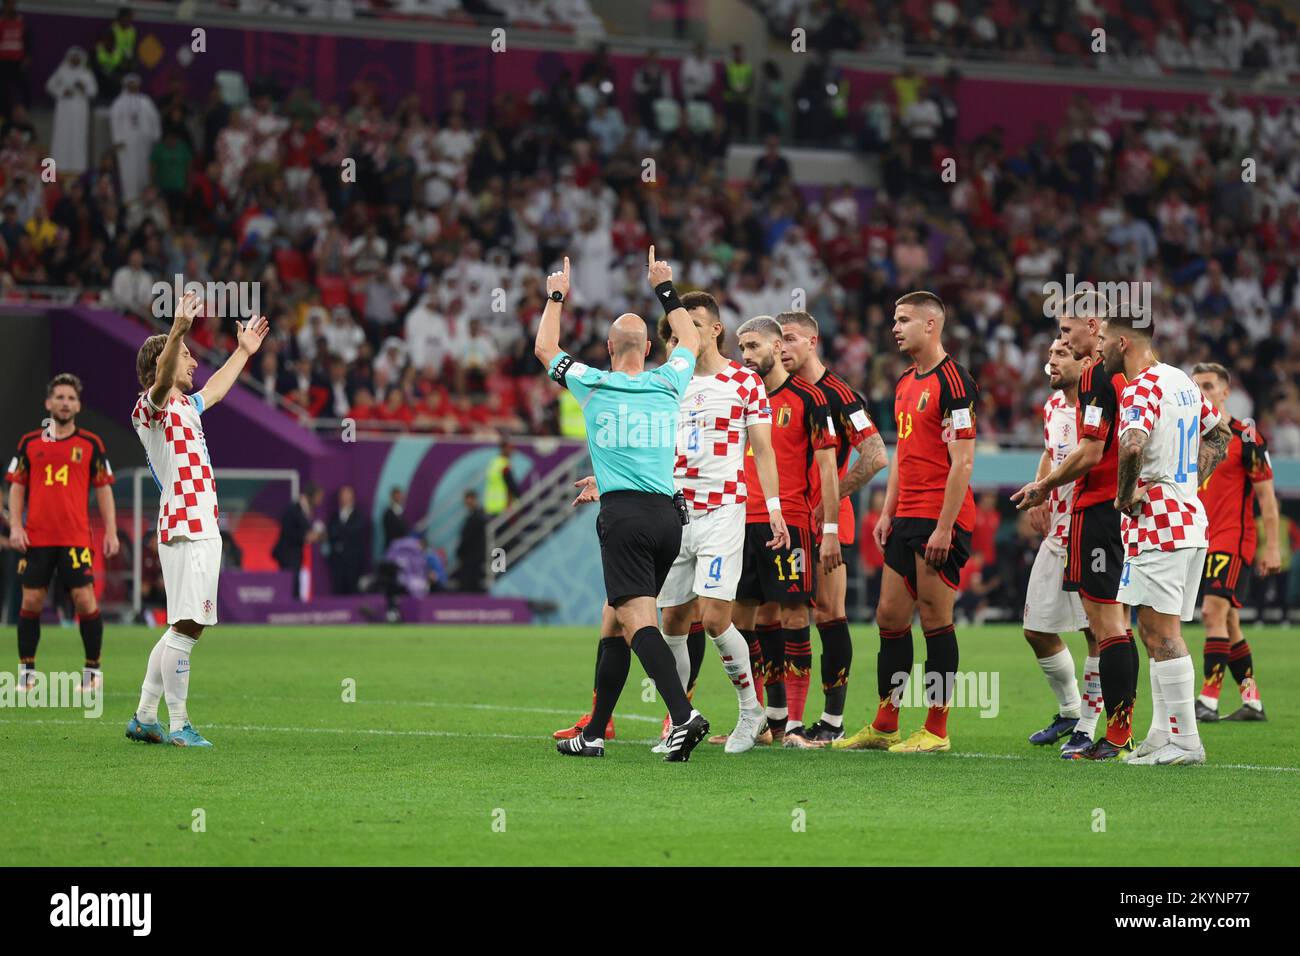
(708, 563)
(1165, 581)
(190, 570)
(1048, 609)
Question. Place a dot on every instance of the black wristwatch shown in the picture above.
(557, 296)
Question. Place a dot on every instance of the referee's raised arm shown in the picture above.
(547, 344)
(661, 278)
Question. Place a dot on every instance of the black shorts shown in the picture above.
(1227, 576)
(908, 538)
(785, 576)
(75, 567)
(640, 534)
(1095, 558)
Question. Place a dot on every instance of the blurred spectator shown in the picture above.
(394, 521)
(133, 286)
(471, 554)
(298, 528)
(697, 74)
(347, 537)
(738, 90)
(72, 87)
(15, 55)
(135, 126)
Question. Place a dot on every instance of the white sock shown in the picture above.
(1177, 678)
(176, 676)
(734, 651)
(835, 720)
(1059, 671)
(677, 644)
(152, 688)
(1159, 732)
(1092, 704)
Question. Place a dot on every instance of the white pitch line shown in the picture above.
(451, 733)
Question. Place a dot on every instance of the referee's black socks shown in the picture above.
(661, 667)
(613, 660)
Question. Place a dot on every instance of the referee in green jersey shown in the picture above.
(631, 418)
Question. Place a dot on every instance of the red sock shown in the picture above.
(936, 721)
(798, 672)
(886, 716)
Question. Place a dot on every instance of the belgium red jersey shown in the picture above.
(932, 409)
(801, 425)
(58, 476)
(853, 426)
(1097, 412)
(1229, 493)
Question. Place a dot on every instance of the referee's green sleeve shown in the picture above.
(578, 378)
(677, 371)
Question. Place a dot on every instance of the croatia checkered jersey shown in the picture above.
(713, 431)
(1163, 402)
(178, 458)
(1060, 437)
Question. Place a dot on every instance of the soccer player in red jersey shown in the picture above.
(1228, 494)
(777, 585)
(853, 430)
(52, 474)
(1096, 554)
(925, 528)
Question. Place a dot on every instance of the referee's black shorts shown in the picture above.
(640, 534)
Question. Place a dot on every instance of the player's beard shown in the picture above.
(765, 366)
(62, 418)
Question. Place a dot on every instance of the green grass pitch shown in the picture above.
(445, 757)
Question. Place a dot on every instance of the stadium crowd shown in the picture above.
(406, 296)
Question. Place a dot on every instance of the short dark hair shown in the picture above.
(922, 297)
(694, 300)
(63, 378)
(763, 325)
(1212, 368)
(1142, 325)
(146, 360)
(801, 318)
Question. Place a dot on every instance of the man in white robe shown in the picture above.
(73, 87)
(136, 126)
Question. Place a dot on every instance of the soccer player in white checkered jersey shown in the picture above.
(167, 420)
(1049, 610)
(1170, 438)
(725, 410)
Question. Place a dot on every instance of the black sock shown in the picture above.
(940, 665)
(29, 635)
(695, 651)
(837, 656)
(771, 639)
(1240, 663)
(600, 651)
(1216, 660)
(92, 638)
(894, 661)
(614, 661)
(1134, 664)
(1115, 662)
(661, 667)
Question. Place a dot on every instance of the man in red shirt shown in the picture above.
(51, 475)
(853, 430)
(1096, 552)
(925, 528)
(776, 586)
(1228, 495)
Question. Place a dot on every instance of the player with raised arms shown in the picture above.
(167, 418)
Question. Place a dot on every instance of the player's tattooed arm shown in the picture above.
(871, 460)
(1131, 445)
(1214, 447)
